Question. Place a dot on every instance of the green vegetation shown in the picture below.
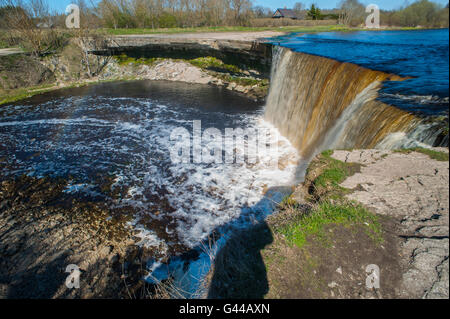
(215, 64)
(25, 93)
(228, 72)
(314, 224)
(329, 205)
(314, 13)
(436, 155)
(244, 80)
(318, 28)
(20, 94)
(3, 43)
(326, 184)
(124, 59)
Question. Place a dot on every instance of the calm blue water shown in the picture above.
(422, 54)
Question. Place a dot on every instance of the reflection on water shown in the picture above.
(111, 141)
(421, 54)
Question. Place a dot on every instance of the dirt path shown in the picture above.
(10, 51)
(244, 36)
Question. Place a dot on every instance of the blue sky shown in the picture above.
(60, 5)
(330, 4)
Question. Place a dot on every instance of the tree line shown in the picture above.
(206, 13)
(422, 13)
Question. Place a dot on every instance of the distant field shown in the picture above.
(287, 29)
(318, 28)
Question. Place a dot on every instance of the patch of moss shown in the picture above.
(347, 214)
(21, 94)
(211, 63)
(333, 172)
(436, 155)
(124, 59)
(244, 81)
(329, 205)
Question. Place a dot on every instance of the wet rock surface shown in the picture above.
(43, 230)
(179, 71)
(414, 190)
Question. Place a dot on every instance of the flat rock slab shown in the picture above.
(413, 189)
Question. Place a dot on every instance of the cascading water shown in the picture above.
(319, 103)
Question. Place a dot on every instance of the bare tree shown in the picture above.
(351, 12)
(32, 22)
(241, 10)
(299, 6)
(90, 39)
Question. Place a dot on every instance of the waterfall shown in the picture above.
(320, 103)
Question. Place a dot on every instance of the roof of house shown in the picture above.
(287, 13)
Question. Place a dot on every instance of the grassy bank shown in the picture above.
(25, 93)
(286, 29)
(328, 205)
(436, 155)
(296, 253)
(21, 94)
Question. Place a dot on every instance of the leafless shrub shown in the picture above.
(31, 22)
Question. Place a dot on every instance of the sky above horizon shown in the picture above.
(60, 5)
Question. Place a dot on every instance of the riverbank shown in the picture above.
(320, 220)
(23, 76)
(43, 230)
(355, 209)
(330, 27)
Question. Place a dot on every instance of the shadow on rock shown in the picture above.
(239, 270)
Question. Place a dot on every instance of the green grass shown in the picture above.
(243, 80)
(326, 185)
(22, 94)
(329, 204)
(229, 29)
(436, 155)
(320, 28)
(124, 59)
(345, 214)
(211, 62)
(214, 64)
(3, 44)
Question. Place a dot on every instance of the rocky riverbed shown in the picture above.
(71, 66)
(43, 230)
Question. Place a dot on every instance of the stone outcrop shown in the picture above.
(253, 51)
(414, 190)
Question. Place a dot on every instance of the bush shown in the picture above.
(167, 20)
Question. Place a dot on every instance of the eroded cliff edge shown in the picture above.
(239, 62)
(355, 209)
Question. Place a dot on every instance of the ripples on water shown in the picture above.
(421, 54)
(121, 131)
